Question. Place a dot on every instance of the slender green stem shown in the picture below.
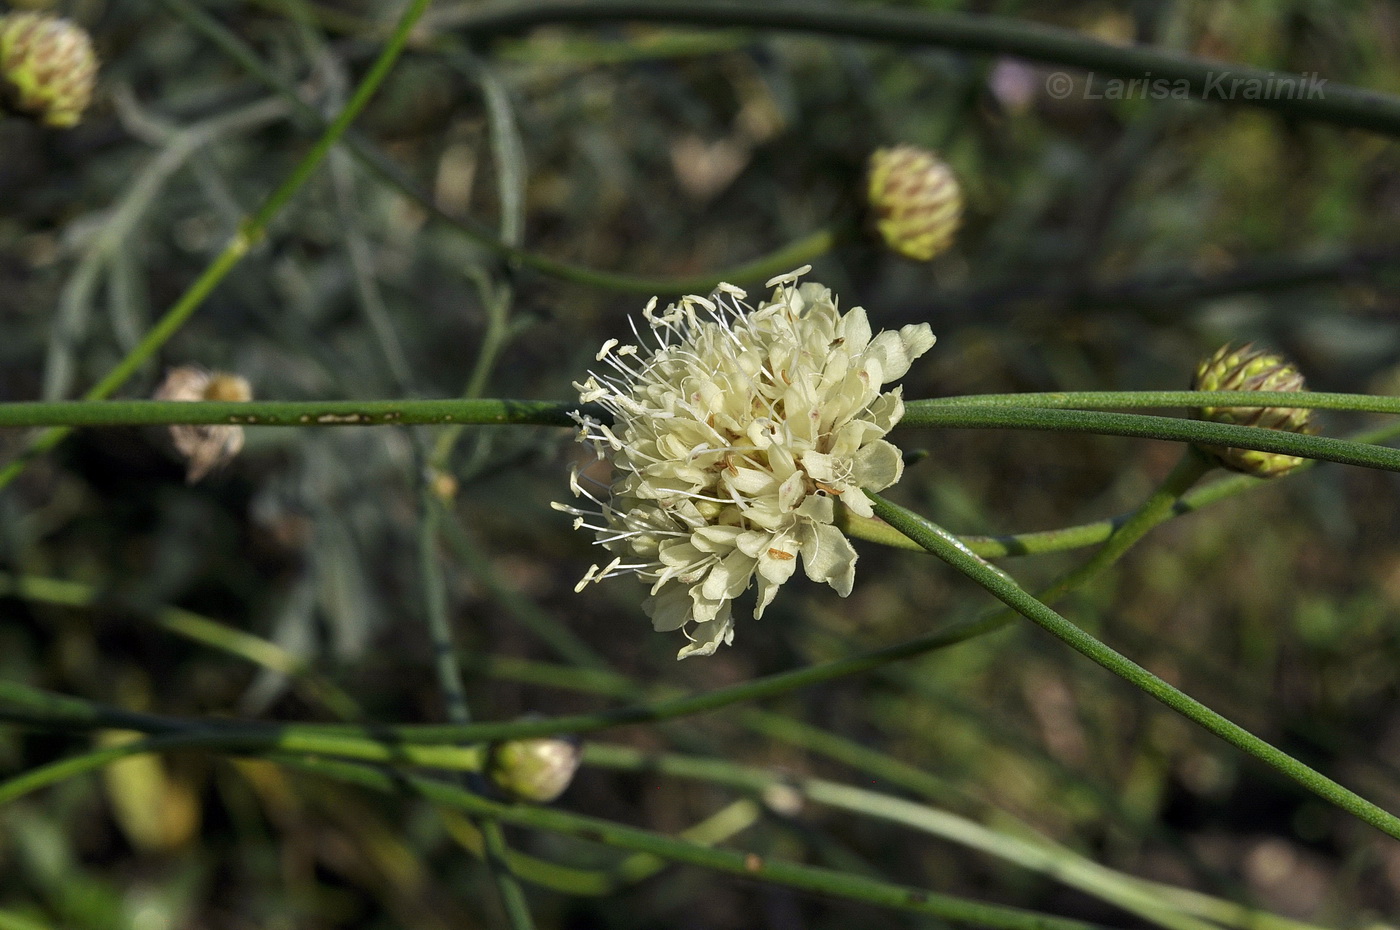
(918, 413)
(196, 628)
(783, 259)
(946, 416)
(1001, 586)
(24, 704)
(724, 824)
(289, 413)
(1156, 509)
(1036, 855)
(449, 674)
(1206, 80)
(1107, 400)
(251, 232)
(1175, 429)
(242, 741)
(992, 411)
(1086, 534)
(821, 881)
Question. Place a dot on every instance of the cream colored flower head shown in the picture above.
(733, 435)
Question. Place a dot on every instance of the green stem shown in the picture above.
(243, 742)
(750, 866)
(1156, 509)
(288, 413)
(251, 232)
(449, 675)
(543, 413)
(1036, 855)
(1086, 400)
(381, 166)
(1174, 429)
(1206, 80)
(932, 538)
(1084, 534)
(196, 628)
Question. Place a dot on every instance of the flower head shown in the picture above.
(204, 446)
(915, 201)
(47, 67)
(1245, 368)
(731, 441)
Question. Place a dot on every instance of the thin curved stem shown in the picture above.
(1174, 429)
(492, 412)
(1124, 400)
(1062, 539)
(1001, 586)
(1031, 852)
(544, 413)
(196, 628)
(250, 233)
(1210, 81)
(783, 259)
(827, 882)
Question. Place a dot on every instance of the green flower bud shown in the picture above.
(1245, 368)
(915, 201)
(47, 67)
(533, 769)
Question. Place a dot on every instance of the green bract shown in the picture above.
(731, 441)
(1245, 368)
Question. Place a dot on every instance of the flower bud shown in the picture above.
(915, 201)
(47, 67)
(204, 446)
(533, 769)
(1245, 368)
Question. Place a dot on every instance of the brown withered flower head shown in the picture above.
(204, 446)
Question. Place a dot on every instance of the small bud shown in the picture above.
(1245, 368)
(915, 201)
(533, 769)
(204, 446)
(47, 67)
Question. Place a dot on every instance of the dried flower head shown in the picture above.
(1245, 368)
(204, 447)
(47, 67)
(915, 201)
(731, 440)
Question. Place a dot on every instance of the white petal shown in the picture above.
(669, 610)
(877, 466)
(820, 466)
(827, 557)
(708, 636)
(729, 578)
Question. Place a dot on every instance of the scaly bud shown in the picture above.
(204, 446)
(1245, 368)
(915, 201)
(47, 67)
(533, 769)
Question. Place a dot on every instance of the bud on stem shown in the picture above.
(1245, 368)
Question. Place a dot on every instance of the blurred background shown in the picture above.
(1106, 245)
